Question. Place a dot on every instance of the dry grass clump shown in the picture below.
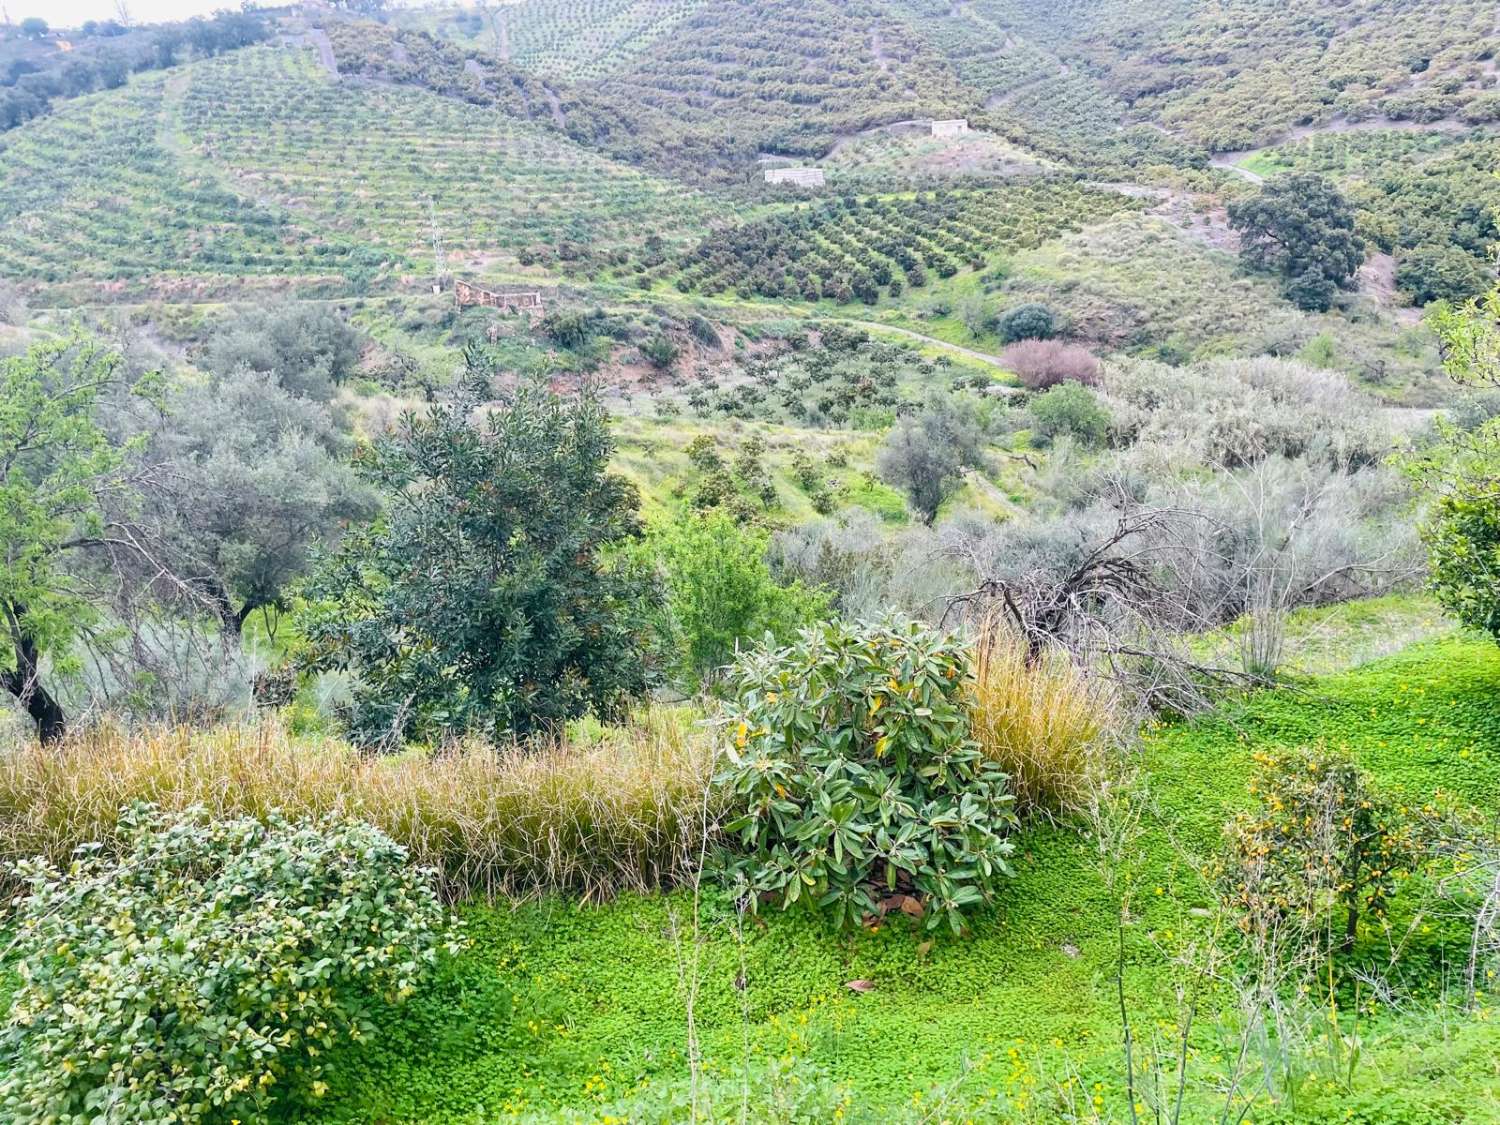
(626, 808)
(1047, 722)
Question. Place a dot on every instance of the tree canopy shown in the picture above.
(55, 463)
(1462, 474)
(490, 598)
(1300, 226)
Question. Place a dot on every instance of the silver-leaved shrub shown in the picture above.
(855, 781)
(195, 966)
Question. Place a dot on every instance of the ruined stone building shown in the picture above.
(468, 294)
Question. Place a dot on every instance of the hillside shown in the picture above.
(684, 561)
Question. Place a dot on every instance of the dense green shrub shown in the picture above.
(853, 775)
(1440, 273)
(1071, 410)
(1460, 473)
(1026, 322)
(720, 593)
(184, 973)
(490, 599)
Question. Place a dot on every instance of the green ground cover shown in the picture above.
(572, 1013)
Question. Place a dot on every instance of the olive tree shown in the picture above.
(926, 453)
(244, 478)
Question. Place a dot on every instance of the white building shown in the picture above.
(803, 177)
(954, 128)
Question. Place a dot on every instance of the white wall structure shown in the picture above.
(804, 177)
(954, 128)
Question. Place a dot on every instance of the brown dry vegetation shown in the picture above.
(621, 809)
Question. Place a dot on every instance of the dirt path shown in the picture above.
(319, 39)
(877, 48)
(1227, 163)
(969, 353)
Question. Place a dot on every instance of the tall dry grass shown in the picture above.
(627, 808)
(1047, 722)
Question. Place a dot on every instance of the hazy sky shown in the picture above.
(71, 13)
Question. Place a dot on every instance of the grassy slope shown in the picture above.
(598, 1009)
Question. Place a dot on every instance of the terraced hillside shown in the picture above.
(740, 77)
(563, 39)
(101, 190)
(367, 158)
(576, 39)
(1236, 73)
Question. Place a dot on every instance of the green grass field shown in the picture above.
(575, 1013)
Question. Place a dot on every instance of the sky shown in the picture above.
(71, 13)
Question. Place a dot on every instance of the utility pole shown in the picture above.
(439, 267)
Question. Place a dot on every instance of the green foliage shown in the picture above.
(567, 329)
(1321, 843)
(553, 1010)
(190, 974)
(1440, 273)
(720, 594)
(56, 466)
(926, 453)
(489, 599)
(246, 478)
(1302, 227)
(853, 380)
(853, 776)
(1070, 410)
(848, 249)
(660, 351)
(1462, 475)
(308, 348)
(1026, 322)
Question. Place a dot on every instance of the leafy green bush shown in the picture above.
(720, 592)
(853, 774)
(185, 975)
(1321, 844)
(488, 600)
(1440, 273)
(1460, 471)
(1026, 322)
(1071, 410)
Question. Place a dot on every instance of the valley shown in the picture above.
(735, 560)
